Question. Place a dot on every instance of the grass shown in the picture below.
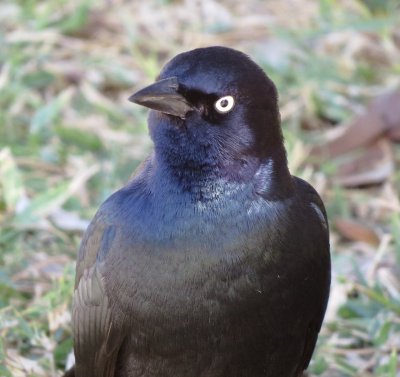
(69, 137)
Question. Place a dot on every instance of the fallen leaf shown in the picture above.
(372, 167)
(381, 117)
(356, 231)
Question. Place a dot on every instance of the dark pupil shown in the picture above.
(224, 103)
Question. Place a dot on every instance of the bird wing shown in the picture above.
(312, 198)
(97, 339)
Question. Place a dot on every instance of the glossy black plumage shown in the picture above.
(213, 260)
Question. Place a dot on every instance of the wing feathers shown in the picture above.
(93, 328)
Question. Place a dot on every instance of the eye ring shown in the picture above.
(224, 104)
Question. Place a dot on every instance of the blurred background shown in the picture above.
(69, 138)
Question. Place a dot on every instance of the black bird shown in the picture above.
(213, 260)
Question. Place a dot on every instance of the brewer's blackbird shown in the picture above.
(213, 260)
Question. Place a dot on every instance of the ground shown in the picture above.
(69, 138)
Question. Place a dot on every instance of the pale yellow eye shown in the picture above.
(224, 104)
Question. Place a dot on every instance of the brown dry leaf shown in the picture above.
(372, 131)
(374, 166)
(356, 231)
(381, 117)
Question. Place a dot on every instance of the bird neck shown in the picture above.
(197, 158)
(204, 173)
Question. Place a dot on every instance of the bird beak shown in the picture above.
(163, 96)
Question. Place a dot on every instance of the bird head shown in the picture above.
(213, 107)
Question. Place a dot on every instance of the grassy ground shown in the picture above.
(69, 137)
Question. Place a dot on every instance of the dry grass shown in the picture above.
(69, 137)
